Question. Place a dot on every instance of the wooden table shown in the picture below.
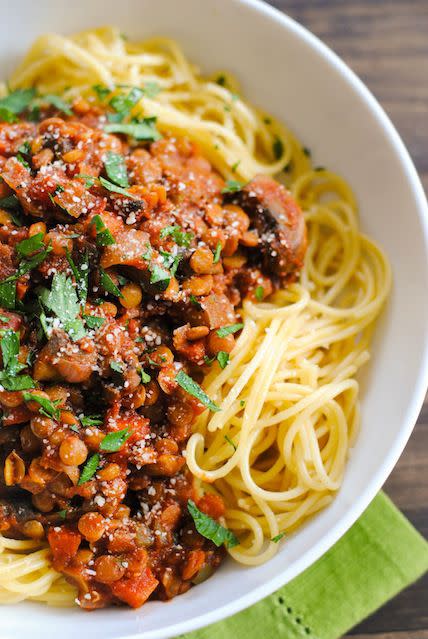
(386, 43)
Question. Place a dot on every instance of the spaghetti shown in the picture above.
(276, 452)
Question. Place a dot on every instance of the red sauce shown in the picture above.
(168, 259)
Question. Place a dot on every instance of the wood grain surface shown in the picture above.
(386, 43)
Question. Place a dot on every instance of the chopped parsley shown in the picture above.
(232, 186)
(142, 130)
(223, 358)
(229, 330)
(89, 469)
(63, 302)
(81, 274)
(9, 378)
(259, 293)
(47, 408)
(116, 169)
(145, 377)
(108, 284)
(217, 252)
(15, 103)
(104, 237)
(117, 367)
(114, 441)
(93, 322)
(210, 529)
(278, 537)
(180, 237)
(31, 245)
(191, 387)
(91, 420)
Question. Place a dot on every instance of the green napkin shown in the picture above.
(379, 556)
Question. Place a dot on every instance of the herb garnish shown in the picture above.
(142, 130)
(104, 237)
(145, 377)
(108, 284)
(217, 252)
(223, 358)
(179, 236)
(210, 529)
(47, 408)
(229, 330)
(89, 469)
(259, 293)
(81, 274)
(91, 420)
(93, 321)
(114, 441)
(9, 378)
(232, 186)
(117, 367)
(278, 537)
(62, 300)
(116, 169)
(190, 386)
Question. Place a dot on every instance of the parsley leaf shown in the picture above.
(15, 103)
(116, 169)
(113, 188)
(62, 298)
(81, 274)
(278, 537)
(9, 378)
(217, 252)
(93, 321)
(259, 293)
(62, 513)
(101, 91)
(223, 358)
(8, 294)
(57, 102)
(179, 236)
(210, 529)
(104, 237)
(91, 420)
(89, 469)
(229, 330)
(47, 408)
(144, 130)
(30, 245)
(159, 276)
(117, 367)
(232, 186)
(114, 441)
(145, 377)
(123, 104)
(108, 284)
(191, 387)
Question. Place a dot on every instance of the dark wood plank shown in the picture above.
(386, 43)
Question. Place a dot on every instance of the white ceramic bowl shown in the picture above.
(289, 72)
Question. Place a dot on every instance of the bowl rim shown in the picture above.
(416, 401)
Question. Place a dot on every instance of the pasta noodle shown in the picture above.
(277, 450)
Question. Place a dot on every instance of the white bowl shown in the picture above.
(289, 72)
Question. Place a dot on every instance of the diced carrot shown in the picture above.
(194, 563)
(136, 590)
(64, 544)
(211, 505)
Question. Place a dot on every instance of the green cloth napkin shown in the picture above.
(379, 556)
